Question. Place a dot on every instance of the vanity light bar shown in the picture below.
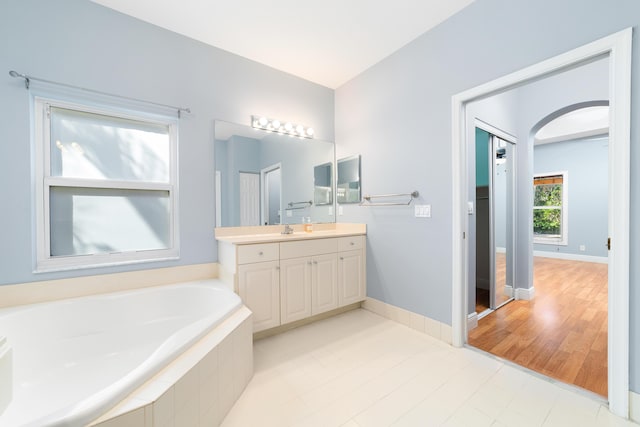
(284, 128)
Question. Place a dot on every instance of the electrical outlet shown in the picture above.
(340, 210)
(330, 210)
(422, 211)
(583, 248)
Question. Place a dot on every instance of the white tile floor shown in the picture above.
(360, 370)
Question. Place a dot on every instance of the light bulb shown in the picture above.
(263, 121)
(288, 127)
(276, 124)
(310, 131)
(300, 129)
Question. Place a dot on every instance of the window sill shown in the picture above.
(74, 263)
(555, 242)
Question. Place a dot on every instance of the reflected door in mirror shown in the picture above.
(249, 199)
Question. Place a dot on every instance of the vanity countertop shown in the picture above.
(273, 233)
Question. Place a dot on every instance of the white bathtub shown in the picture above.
(75, 359)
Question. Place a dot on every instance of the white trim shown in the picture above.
(526, 294)
(588, 134)
(44, 262)
(563, 240)
(416, 321)
(618, 47)
(264, 194)
(472, 321)
(571, 257)
(494, 131)
(634, 407)
(508, 291)
(218, 199)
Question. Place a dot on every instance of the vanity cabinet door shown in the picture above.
(351, 277)
(295, 285)
(259, 289)
(324, 283)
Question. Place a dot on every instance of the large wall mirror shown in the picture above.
(266, 178)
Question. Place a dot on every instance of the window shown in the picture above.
(550, 208)
(106, 188)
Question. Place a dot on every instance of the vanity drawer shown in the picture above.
(258, 253)
(350, 243)
(304, 248)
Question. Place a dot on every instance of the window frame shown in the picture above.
(44, 261)
(563, 239)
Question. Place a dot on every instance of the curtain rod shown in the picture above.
(27, 82)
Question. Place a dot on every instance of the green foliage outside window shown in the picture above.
(547, 219)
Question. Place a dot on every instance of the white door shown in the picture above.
(249, 199)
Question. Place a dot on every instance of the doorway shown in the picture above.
(494, 217)
(249, 199)
(617, 48)
(271, 195)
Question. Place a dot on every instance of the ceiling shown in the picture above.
(581, 123)
(327, 42)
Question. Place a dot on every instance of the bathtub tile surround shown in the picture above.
(359, 369)
(52, 290)
(197, 389)
(195, 362)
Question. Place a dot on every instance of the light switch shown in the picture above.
(330, 210)
(289, 213)
(422, 211)
(470, 208)
(340, 210)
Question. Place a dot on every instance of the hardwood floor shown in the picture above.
(562, 332)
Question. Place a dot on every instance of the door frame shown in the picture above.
(264, 192)
(495, 132)
(617, 47)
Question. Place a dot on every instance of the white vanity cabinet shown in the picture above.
(309, 281)
(258, 274)
(351, 270)
(293, 279)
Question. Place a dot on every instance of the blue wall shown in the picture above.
(586, 162)
(397, 114)
(84, 44)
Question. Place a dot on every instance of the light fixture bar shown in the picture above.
(284, 128)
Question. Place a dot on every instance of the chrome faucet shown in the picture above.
(287, 229)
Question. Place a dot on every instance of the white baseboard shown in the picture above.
(634, 407)
(525, 294)
(416, 321)
(508, 291)
(572, 257)
(472, 321)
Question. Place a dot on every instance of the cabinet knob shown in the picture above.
(352, 243)
(260, 253)
(315, 262)
(277, 267)
(342, 258)
(309, 262)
